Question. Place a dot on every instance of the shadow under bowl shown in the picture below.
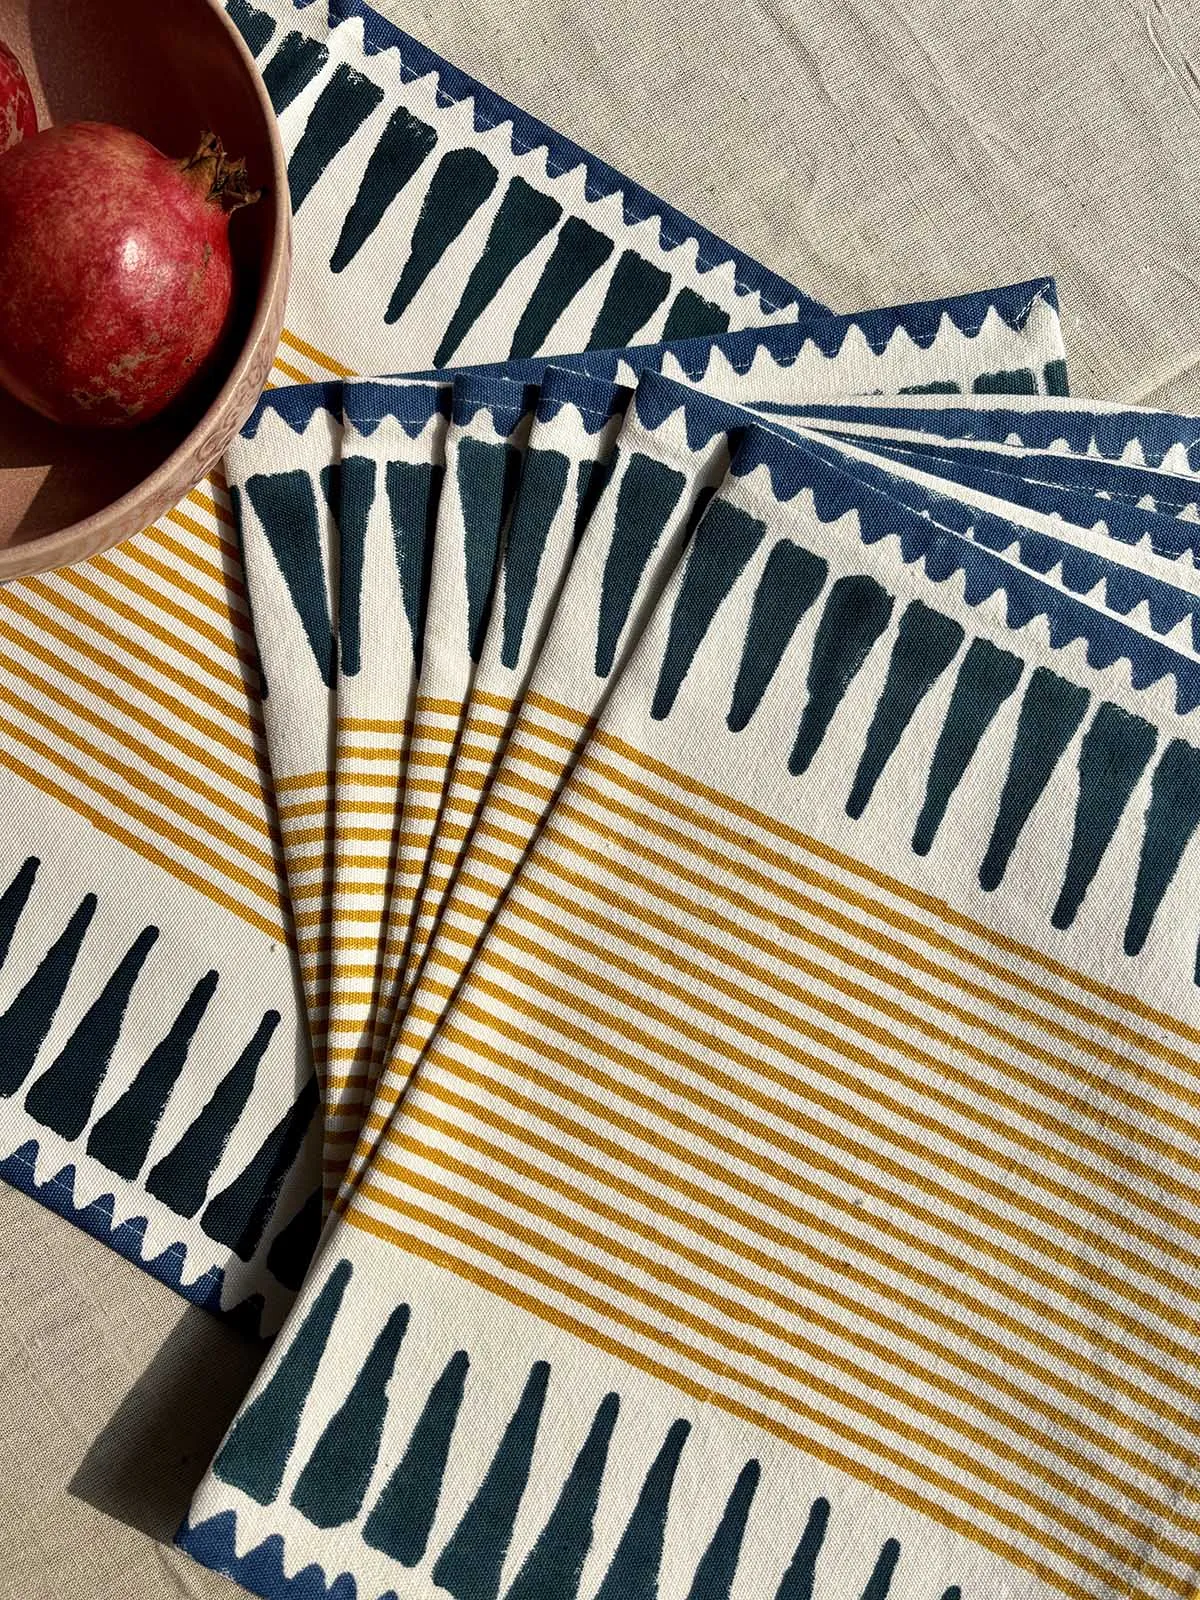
(168, 71)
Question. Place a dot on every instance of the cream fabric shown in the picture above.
(892, 152)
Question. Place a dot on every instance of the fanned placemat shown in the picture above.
(789, 1192)
(156, 1083)
(656, 833)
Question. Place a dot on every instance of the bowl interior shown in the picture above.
(168, 71)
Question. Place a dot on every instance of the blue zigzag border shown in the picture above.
(126, 1238)
(213, 1543)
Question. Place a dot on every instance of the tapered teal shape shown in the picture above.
(238, 1215)
(539, 500)
(181, 1178)
(334, 1481)
(469, 1566)
(402, 149)
(292, 68)
(525, 217)
(488, 475)
(254, 1457)
(792, 579)
(926, 643)
(121, 1138)
(880, 1582)
(13, 902)
(553, 1568)
(633, 1571)
(1115, 752)
(25, 1024)
(718, 1565)
(413, 490)
(356, 494)
(954, 1592)
(800, 1580)
(635, 293)
(856, 613)
(401, 1518)
(463, 181)
(691, 315)
(1017, 381)
(579, 252)
(1171, 820)
(648, 494)
(986, 679)
(63, 1097)
(286, 506)
(343, 105)
(255, 26)
(1050, 714)
(294, 1246)
(725, 540)
(589, 486)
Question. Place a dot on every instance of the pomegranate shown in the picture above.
(18, 118)
(116, 279)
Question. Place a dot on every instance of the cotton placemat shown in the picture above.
(794, 1193)
(576, 668)
(147, 919)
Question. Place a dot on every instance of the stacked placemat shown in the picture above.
(728, 1003)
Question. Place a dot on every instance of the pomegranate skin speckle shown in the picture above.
(116, 280)
(18, 115)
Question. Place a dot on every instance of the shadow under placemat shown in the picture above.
(144, 1466)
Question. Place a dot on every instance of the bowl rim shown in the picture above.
(95, 533)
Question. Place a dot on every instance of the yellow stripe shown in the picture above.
(241, 713)
(583, 1058)
(780, 862)
(302, 780)
(105, 823)
(772, 1265)
(924, 1089)
(515, 1201)
(160, 737)
(704, 1392)
(61, 665)
(808, 1153)
(227, 677)
(289, 371)
(790, 1235)
(113, 568)
(139, 784)
(218, 571)
(631, 840)
(215, 510)
(313, 354)
(372, 725)
(930, 904)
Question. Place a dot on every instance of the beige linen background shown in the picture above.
(872, 154)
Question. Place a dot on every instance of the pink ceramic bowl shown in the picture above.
(167, 69)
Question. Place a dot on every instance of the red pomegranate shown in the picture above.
(18, 118)
(116, 280)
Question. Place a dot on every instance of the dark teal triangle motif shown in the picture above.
(554, 1567)
(286, 506)
(255, 1455)
(334, 1480)
(25, 1024)
(401, 1519)
(633, 1572)
(63, 1097)
(121, 1138)
(469, 1566)
(718, 1565)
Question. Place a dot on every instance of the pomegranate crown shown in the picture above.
(222, 178)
